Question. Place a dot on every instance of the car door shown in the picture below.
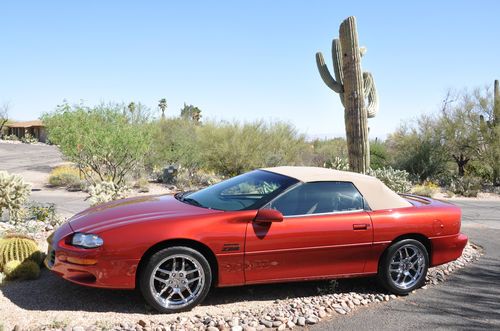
(326, 232)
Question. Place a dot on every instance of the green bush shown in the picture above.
(467, 186)
(230, 149)
(427, 189)
(14, 192)
(106, 142)
(396, 180)
(11, 137)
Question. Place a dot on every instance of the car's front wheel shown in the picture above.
(175, 279)
(404, 266)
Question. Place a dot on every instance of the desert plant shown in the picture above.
(44, 213)
(105, 192)
(16, 269)
(467, 186)
(427, 189)
(11, 137)
(105, 142)
(396, 180)
(338, 164)
(29, 139)
(66, 176)
(20, 248)
(142, 185)
(353, 86)
(14, 192)
(186, 180)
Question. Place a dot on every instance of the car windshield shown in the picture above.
(248, 191)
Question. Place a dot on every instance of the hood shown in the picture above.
(133, 210)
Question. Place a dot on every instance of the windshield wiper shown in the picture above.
(192, 201)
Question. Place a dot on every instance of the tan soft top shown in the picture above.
(373, 190)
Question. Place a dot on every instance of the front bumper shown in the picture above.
(89, 267)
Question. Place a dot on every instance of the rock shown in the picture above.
(142, 323)
(237, 328)
(301, 321)
(312, 320)
(340, 311)
(321, 313)
(290, 324)
(78, 328)
(282, 327)
(234, 322)
(212, 328)
(266, 323)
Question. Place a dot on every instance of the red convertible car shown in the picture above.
(269, 225)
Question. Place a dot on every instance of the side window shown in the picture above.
(318, 198)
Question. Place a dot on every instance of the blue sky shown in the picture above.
(242, 60)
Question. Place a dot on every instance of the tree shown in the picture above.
(191, 113)
(162, 104)
(105, 143)
(459, 126)
(4, 116)
(416, 148)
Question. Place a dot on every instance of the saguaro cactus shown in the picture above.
(356, 90)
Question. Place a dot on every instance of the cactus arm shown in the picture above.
(371, 95)
(325, 74)
(337, 61)
(496, 103)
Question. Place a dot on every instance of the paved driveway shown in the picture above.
(34, 163)
(468, 300)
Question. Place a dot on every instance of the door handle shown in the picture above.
(360, 226)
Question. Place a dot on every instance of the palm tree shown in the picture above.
(162, 104)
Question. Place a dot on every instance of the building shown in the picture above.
(34, 128)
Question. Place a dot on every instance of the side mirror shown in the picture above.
(268, 216)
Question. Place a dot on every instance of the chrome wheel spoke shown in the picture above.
(170, 284)
(406, 267)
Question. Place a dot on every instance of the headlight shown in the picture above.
(86, 240)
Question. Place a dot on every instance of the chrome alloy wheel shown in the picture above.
(177, 281)
(407, 266)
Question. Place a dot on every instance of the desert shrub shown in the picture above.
(338, 164)
(231, 148)
(142, 185)
(11, 137)
(321, 152)
(427, 189)
(29, 139)
(65, 176)
(467, 186)
(106, 142)
(396, 180)
(186, 180)
(14, 192)
(379, 157)
(105, 192)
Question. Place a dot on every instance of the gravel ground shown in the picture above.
(51, 303)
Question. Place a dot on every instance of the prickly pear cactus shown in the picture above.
(356, 90)
(20, 249)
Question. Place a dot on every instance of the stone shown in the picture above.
(312, 320)
(301, 321)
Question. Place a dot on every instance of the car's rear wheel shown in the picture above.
(175, 279)
(404, 266)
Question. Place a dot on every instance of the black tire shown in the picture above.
(173, 256)
(396, 258)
